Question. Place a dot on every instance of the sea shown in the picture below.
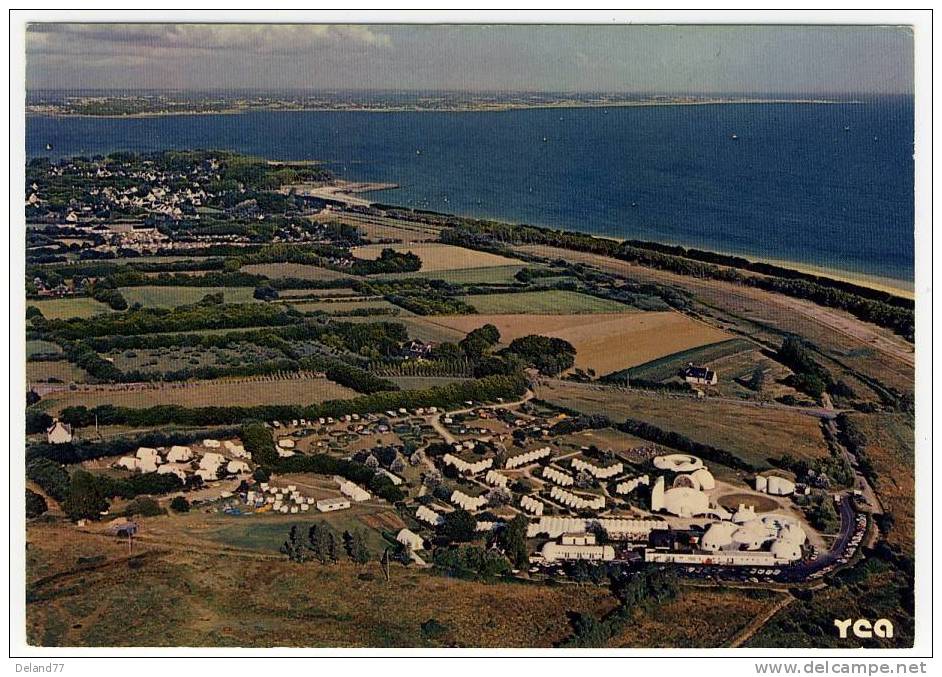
(822, 185)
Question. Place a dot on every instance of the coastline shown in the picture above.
(482, 108)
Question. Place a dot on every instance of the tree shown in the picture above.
(512, 539)
(459, 526)
(294, 547)
(265, 293)
(180, 504)
(35, 504)
(479, 341)
(86, 500)
(355, 544)
(757, 380)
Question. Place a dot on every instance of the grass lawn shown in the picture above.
(755, 434)
(343, 306)
(209, 393)
(549, 302)
(37, 347)
(78, 306)
(63, 371)
(296, 270)
(170, 297)
(437, 257)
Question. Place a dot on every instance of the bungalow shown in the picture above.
(699, 375)
(59, 433)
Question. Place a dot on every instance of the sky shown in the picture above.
(577, 58)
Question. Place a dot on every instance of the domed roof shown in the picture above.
(678, 462)
(745, 513)
(718, 536)
(687, 481)
(779, 486)
(752, 534)
(705, 478)
(685, 502)
(792, 532)
(786, 550)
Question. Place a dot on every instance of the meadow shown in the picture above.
(604, 342)
(295, 270)
(437, 257)
(170, 297)
(549, 302)
(78, 306)
(207, 393)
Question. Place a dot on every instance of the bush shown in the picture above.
(180, 504)
(145, 507)
(35, 504)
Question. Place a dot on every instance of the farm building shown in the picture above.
(179, 454)
(410, 539)
(575, 547)
(699, 375)
(331, 504)
(59, 432)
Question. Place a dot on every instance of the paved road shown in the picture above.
(800, 572)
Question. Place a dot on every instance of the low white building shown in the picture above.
(411, 539)
(331, 504)
(236, 467)
(355, 493)
(429, 516)
(179, 454)
(211, 444)
(59, 432)
(575, 547)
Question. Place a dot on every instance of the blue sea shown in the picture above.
(823, 185)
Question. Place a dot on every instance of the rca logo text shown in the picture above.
(864, 629)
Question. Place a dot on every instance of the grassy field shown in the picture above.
(386, 228)
(209, 393)
(550, 302)
(891, 448)
(604, 342)
(63, 371)
(697, 617)
(170, 359)
(79, 306)
(170, 297)
(666, 367)
(436, 257)
(198, 593)
(755, 434)
(488, 275)
(36, 347)
(343, 306)
(296, 270)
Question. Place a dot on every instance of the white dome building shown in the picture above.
(688, 481)
(718, 536)
(752, 535)
(779, 486)
(705, 479)
(745, 513)
(677, 462)
(686, 502)
(786, 550)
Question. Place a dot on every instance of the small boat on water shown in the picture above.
(48, 146)
(733, 137)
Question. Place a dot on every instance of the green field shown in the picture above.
(491, 275)
(170, 297)
(665, 367)
(59, 371)
(78, 306)
(37, 347)
(296, 270)
(344, 306)
(550, 302)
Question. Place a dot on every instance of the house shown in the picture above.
(699, 375)
(179, 454)
(331, 504)
(211, 462)
(410, 539)
(236, 467)
(59, 433)
(418, 349)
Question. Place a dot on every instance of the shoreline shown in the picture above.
(484, 108)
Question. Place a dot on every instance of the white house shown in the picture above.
(411, 539)
(59, 433)
(331, 504)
